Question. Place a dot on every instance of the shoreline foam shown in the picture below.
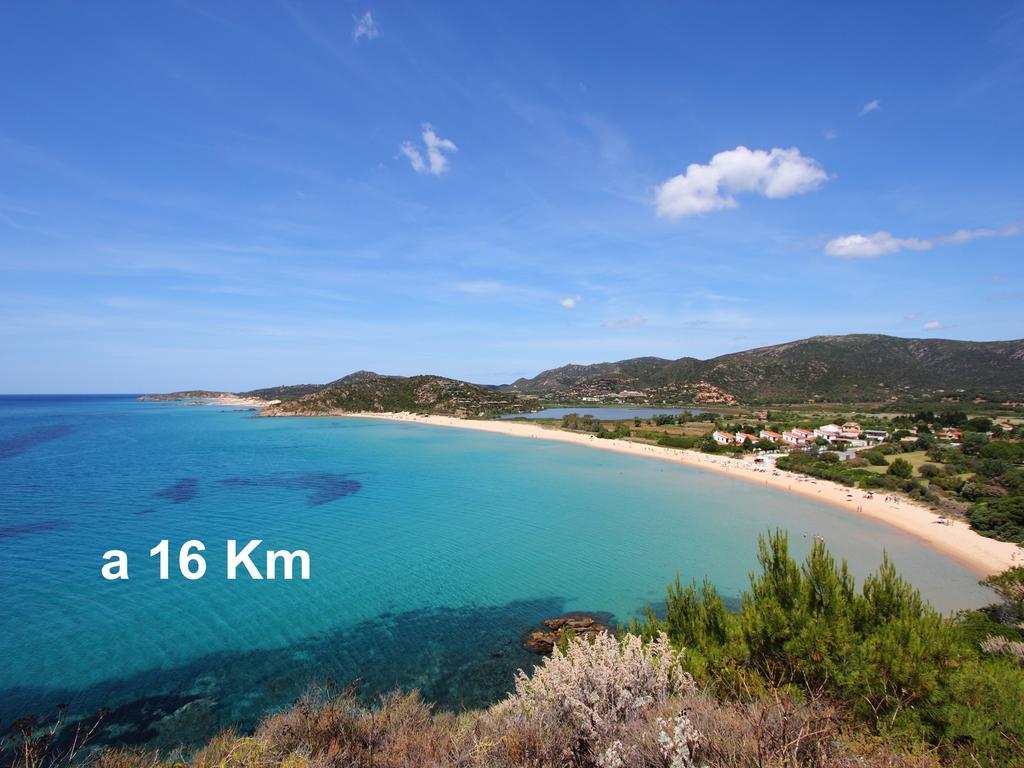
(955, 539)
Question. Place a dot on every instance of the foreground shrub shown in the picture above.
(596, 692)
(1003, 645)
(886, 658)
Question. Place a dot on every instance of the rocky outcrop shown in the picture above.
(561, 628)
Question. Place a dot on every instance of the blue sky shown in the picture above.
(233, 195)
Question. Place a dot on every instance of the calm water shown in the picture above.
(432, 550)
(601, 413)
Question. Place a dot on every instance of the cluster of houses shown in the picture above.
(849, 433)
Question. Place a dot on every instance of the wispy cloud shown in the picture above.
(932, 325)
(571, 302)
(774, 173)
(636, 321)
(708, 295)
(831, 134)
(882, 243)
(480, 286)
(365, 27)
(871, 106)
(436, 161)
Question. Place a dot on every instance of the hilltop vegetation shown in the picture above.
(293, 391)
(849, 369)
(417, 394)
(853, 368)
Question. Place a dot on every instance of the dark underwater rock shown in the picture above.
(560, 628)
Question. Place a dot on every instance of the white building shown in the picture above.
(830, 432)
(797, 436)
(876, 435)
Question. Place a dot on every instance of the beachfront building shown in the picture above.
(723, 438)
(803, 434)
(797, 436)
(771, 437)
(830, 432)
(741, 437)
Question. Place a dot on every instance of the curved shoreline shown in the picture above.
(982, 555)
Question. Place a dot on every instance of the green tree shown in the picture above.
(1000, 518)
(973, 442)
(1010, 452)
(979, 424)
(900, 468)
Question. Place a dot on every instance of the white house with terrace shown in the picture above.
(797, 436)
(830, 432)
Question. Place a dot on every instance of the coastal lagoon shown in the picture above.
(603, 412)
(432, 551)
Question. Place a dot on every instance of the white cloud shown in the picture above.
(963, 235)
(775, 173)
(932, 325)
(436, 162)
(871, 246)
(880, 243)
(570, 302)
(436, 147)
(636, 321)
(871, 106)
(831, 134)
(415, 158)
(365, 27)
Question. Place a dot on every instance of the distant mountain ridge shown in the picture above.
(861, 368)
(852, 368)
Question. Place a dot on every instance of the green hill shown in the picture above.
(858, 368)
(854, 368)
(417, 394)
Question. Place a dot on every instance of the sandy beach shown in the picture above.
(954, 539)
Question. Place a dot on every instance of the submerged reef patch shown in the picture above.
(27, 529)
(15, 445)
(459, 658)
(184, 490)
(321, 487)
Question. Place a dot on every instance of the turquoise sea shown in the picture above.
(432, 550)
